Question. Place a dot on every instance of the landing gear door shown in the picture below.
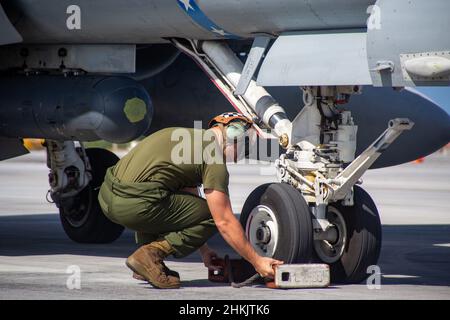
(408, 43)
(8, 34)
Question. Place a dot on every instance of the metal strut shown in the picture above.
(343, 183)
(224, 69)
(69, 169)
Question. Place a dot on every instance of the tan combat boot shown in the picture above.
(147, 261)
(167, 271)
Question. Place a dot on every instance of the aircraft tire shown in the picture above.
(362, 239)
(277, 221)
(83, 220)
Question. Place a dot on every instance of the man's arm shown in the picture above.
(231, 230)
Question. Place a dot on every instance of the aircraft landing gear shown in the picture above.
(316, 212)
(75, 178)
(321, 169)
(278, 223)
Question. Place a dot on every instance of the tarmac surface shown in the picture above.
(37, 259)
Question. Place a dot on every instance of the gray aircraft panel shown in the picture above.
(103, 21)
(403, 30)
(307, 59)
(252, 16)
(138, 21)
(8, 34)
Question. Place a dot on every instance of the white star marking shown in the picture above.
(187, 4)
(219, 31)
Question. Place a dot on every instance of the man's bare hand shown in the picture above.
(265, 266)
(208, 256)
(231, 230)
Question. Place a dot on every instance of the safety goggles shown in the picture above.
(237, 133)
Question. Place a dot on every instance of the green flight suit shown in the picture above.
(143, 190)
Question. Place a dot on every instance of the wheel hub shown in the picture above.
(263, 234)
(77, 211)
(262, 230)
(332, 246)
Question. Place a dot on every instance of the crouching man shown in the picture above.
(153, 191)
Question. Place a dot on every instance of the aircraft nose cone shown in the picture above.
(376, 106)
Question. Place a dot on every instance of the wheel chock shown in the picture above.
(291, 276)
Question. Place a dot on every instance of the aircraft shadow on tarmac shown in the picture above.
(411, 254)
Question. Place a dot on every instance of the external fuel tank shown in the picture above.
(85, 108)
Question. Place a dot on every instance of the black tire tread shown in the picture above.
(297, 219)
(364, 231)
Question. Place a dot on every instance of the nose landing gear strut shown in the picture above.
(317, 212)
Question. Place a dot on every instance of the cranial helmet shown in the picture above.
(235, 124)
